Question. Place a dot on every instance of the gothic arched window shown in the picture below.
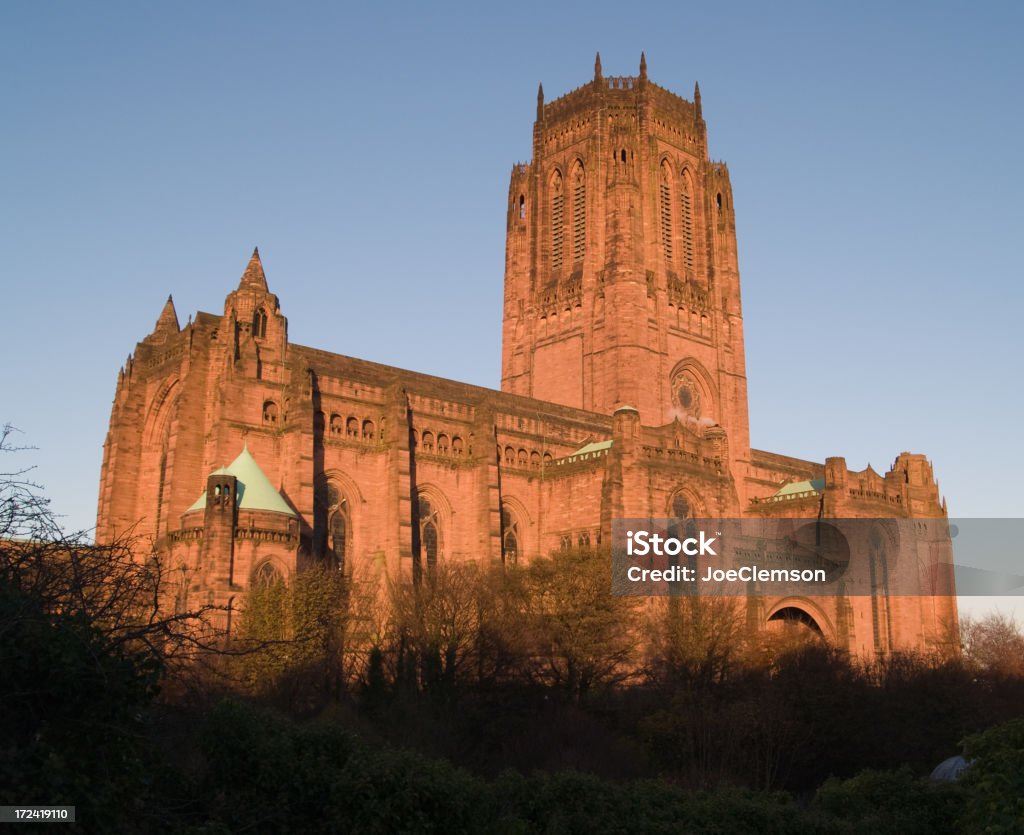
(665, 213)
(339, 539)
(270, 412)
(579, 213)
(339, 529)
(267, 575)
(509, 536)
(686, 206)
(259, 322)
(430, 533)
(557, 221)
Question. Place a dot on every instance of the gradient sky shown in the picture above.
(875, 154)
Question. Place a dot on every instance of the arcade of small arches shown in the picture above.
(522, 458)
(440, 443)
(273, 413)
(351, 427)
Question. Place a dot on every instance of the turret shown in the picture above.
(219, 518)
(253, 318)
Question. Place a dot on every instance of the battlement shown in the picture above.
(614, 91)
(621, 82)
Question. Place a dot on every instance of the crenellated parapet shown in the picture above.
(908, 489)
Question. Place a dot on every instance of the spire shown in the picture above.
(597, 69)
(696, 98)
(540, 101)
(643, 65)
(253, 278)
(168, 321)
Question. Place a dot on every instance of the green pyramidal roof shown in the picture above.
(593, 446)
(815, 485)
(255, 492)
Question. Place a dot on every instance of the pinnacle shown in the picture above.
(597, 67)
(168, 320)
(254, 278)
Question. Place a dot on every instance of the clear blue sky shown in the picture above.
(875, 153)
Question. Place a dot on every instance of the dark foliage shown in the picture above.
(480, 701)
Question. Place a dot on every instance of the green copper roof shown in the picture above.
(255, 492)
(585, 451)
(593, 446)
(811, 486)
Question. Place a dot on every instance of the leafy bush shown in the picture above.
(891, 802)
(994, 780)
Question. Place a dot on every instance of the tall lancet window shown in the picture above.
(509, 535)
(686, 204)
(339, 530)
(259, 322)
(557, 221)
(579, 213)
(430, 534)
(665, 213)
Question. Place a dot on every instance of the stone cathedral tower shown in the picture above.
(621, 278)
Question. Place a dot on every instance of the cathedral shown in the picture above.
(243, 456)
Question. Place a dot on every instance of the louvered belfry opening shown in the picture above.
(579, 214)
(666, 214)
(687, 211)
(557, 223)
